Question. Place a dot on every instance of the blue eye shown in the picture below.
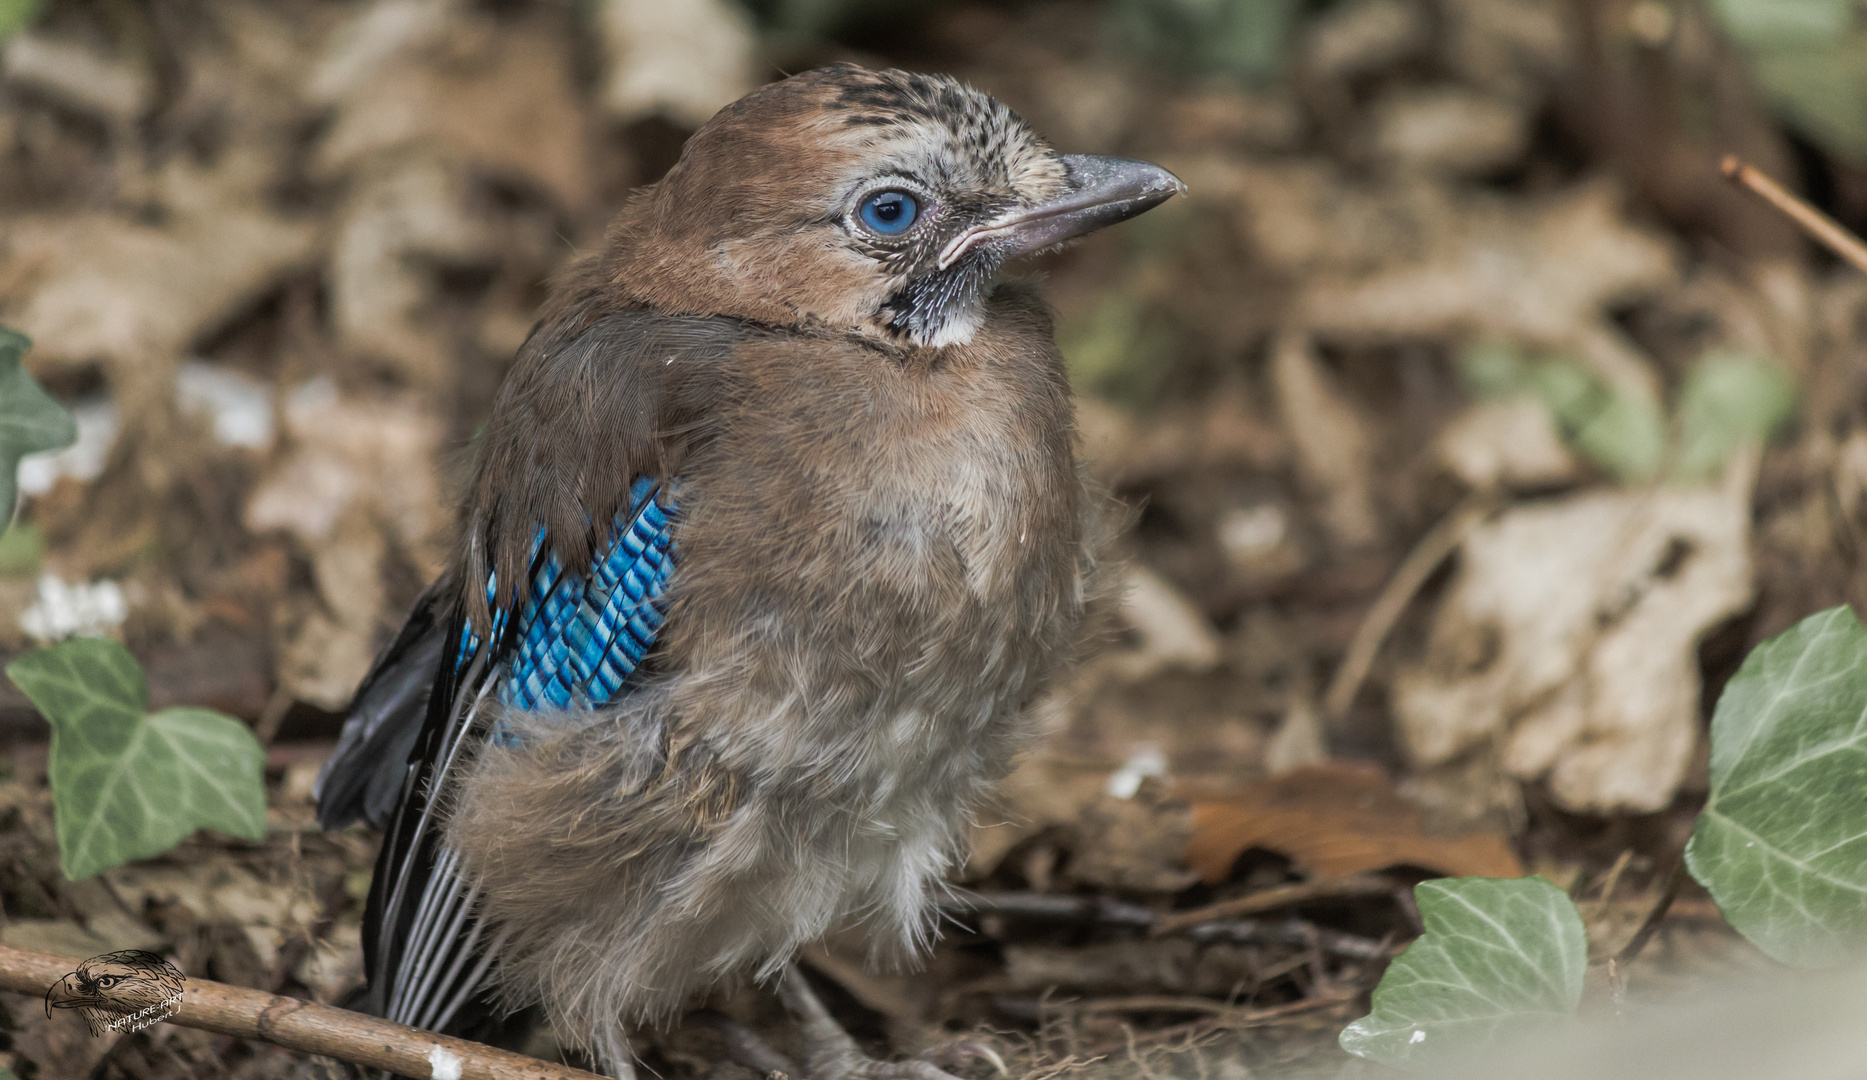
(889, 212)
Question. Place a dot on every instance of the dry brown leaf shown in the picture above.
(1450, 131)
(1171, 632)
(1333, 447)
(327, 647)
(1541, 273)
(1300, 740)
(1132, 844)
(374, 36)
(333, 966)
(61, 937)
(359, 478)
(1306, 216)
(683, 61)
(1218, 114)
(494, 99)
(1508, 443)
(58, 1041)
(392, 221)
(1336, 820)
(1569, 637)
(222, 892)
(97, 286)
(1362, 37)
(1509, 47)
(436, 100)
(1041, 792)
(1121, 843)
(346, 451)
(78, 77)
(244, 79)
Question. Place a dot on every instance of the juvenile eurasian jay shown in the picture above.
(774, 535)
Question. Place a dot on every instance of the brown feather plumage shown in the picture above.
(916, 517)
(885, 551)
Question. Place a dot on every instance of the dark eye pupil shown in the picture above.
(890, 213)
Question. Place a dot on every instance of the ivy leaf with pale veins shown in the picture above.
(1782, 843)
(1730, 398)
(31, 420)
(128, 785)
(1501, 958)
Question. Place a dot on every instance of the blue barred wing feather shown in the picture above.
(580, 636)
(571, 644)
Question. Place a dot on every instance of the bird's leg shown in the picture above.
(745, 1046)
(830, 1054)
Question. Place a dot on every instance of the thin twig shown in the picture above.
(1654, 917)
(1612, 880)
(272, 716)
(1409, 906)
(1412, 573)
(307, 1027)
(1824, 229)
(1134, 1056)
(1268, 899)
(1051, 907)
(1298, 933)
(1109, 911)
(1149, 1003)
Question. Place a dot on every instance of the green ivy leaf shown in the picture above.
(1499, 959)
(1246, 39)
(1621, 431)
(22, 549)
(16, 15)
(1820, 89)
(1782, 843)
(1809, 57)
(128, 785)
(1625, 435)
(1754, 23)
(1493, 369)
(31, 420)
(1729, 398)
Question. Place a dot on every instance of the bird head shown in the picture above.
(880, 202)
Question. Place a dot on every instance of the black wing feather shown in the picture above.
(364, 777)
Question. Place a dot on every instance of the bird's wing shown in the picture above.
(571, 644)
(362, 780)
(568, 638)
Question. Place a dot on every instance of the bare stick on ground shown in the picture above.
(1826, 230)
(308, 1027)
(1651, 924)
(1269, 899)
(1414, 570)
